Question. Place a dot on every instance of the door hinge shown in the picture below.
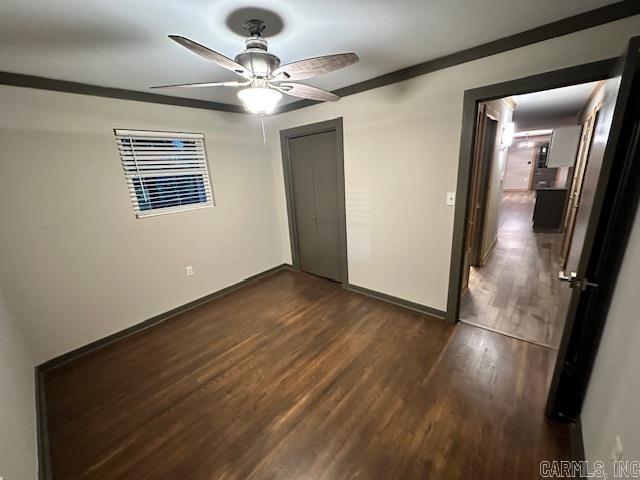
(575, 282)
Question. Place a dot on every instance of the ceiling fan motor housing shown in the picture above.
(257, 59)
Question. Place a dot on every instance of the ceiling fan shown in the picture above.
(265, 80)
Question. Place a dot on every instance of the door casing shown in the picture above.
(321, 127)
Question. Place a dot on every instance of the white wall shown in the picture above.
(502, 112)
(611, 405)
(17, 403)
(401, 147)
(76, 263)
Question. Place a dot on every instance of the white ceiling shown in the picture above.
(552, 104)
(124, 44)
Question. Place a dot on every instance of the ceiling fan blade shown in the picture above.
(211, 84)
(209, 54)
(311, 67)
(308, 92)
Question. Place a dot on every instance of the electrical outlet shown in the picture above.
(617, 449)
(451, 198)
(189, 270)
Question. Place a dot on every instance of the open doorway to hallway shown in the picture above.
(600, 209)
(529, 162)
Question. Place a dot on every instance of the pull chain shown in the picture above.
(264, 135)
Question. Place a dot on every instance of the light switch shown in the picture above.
(189, 270)
(451, 198)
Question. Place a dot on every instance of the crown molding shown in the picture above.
(582, 21)
(43, 83)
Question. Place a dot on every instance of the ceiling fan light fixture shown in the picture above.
(260, 100)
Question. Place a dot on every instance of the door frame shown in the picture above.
(334, 124)
(481, 191)
(589, 72)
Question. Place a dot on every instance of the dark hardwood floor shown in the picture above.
(516, 291)
(294, 377)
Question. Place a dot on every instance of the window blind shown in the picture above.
(166, 172)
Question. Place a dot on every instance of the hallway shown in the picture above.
(515, 293)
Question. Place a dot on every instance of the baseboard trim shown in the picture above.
(417, 307)
(90, 347)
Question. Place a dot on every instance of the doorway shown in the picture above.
(600, 230)
(512, 286)
(313, 163)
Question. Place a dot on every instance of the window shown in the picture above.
(166, 172)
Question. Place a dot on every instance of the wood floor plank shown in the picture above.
(516, 291)
(295, 377)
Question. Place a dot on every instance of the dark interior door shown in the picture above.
(314, 172)
(597, 239)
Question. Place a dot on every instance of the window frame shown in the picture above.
(120, 133)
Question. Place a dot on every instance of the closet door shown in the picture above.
(314, 174)
(325, 176)
(304, 203)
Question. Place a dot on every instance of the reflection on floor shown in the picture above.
(516, 292)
